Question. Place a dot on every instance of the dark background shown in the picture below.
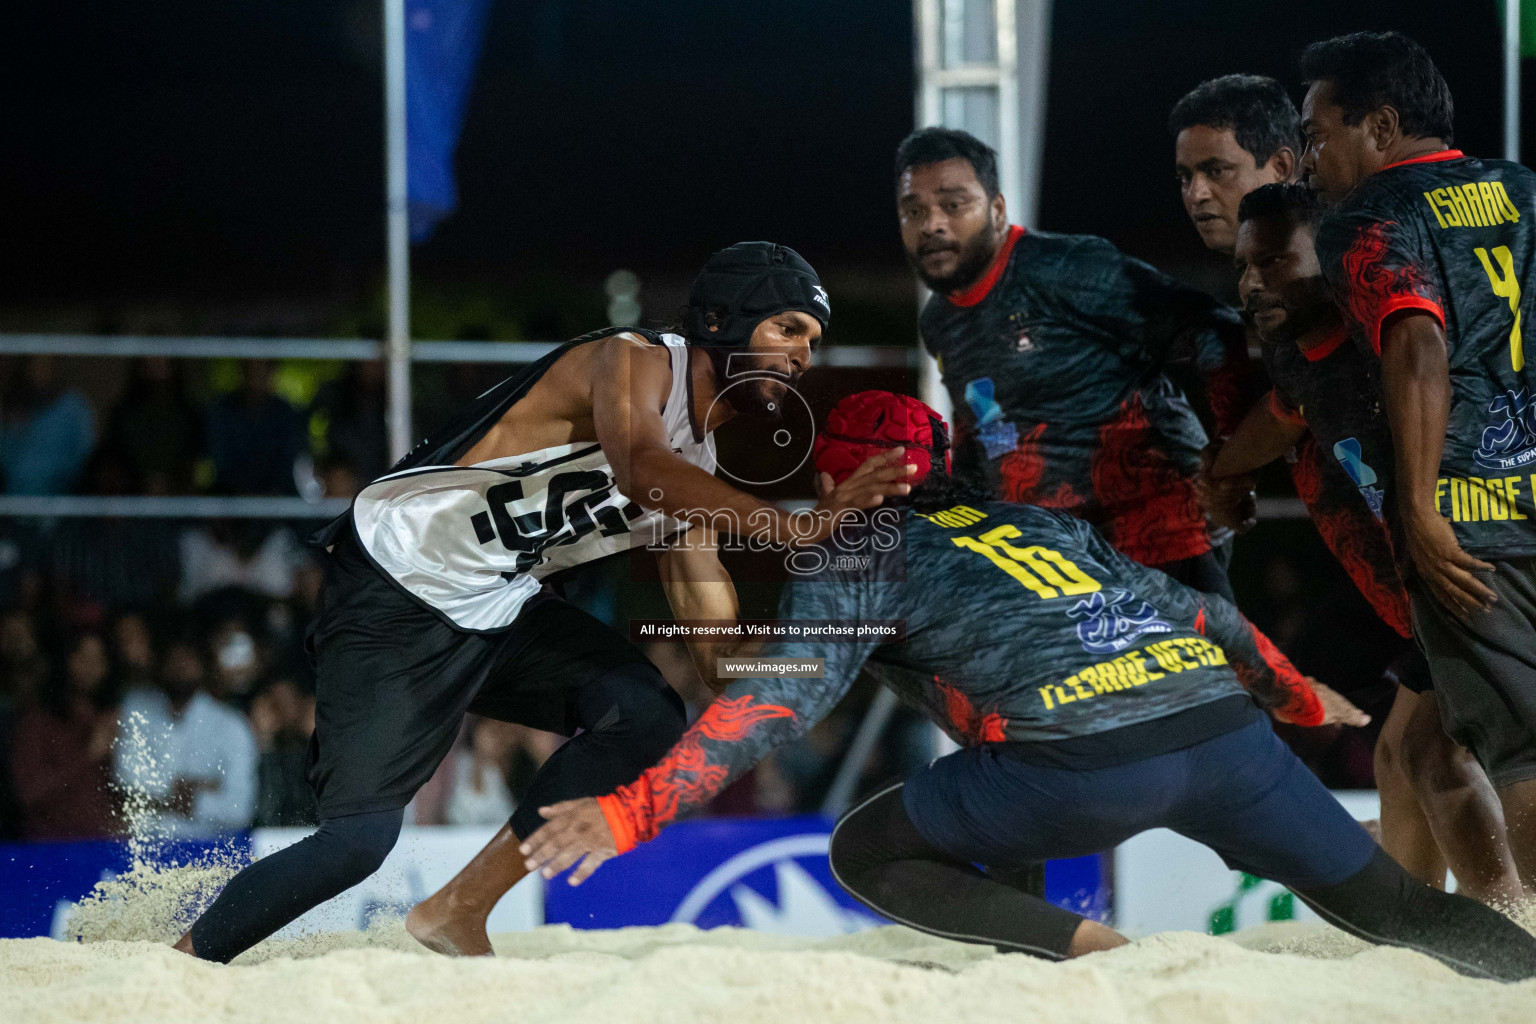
(228, 156)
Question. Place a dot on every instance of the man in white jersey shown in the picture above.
(435, 602)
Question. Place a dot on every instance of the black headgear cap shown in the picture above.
(744, 284)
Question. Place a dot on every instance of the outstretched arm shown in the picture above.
(751, 718)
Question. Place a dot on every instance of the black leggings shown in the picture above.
(878, 855)
(881, 859)
(278, 888)
(631, 719)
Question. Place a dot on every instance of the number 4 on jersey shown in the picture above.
(1506, 286)
(1048, 573)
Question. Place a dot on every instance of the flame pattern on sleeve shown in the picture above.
(692, 773)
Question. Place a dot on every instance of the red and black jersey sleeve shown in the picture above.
(1158, 318)
(1377, 265)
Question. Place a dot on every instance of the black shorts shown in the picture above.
(393, 681)
(1485, 670)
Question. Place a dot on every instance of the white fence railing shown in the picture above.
(135, 346)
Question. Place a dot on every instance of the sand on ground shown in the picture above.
(677, 973)
(120, 969)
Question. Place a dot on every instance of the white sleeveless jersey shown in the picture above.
(475, 542)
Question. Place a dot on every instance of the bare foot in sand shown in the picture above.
(434, 924)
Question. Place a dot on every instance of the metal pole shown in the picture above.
(846, 784)
(930, 387)
(1512, 80)
(1032, 28)
(398, 343)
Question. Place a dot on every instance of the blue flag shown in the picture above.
(442, 47)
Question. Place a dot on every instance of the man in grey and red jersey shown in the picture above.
(1094, 698)
(1053, 350)
(1429, 253)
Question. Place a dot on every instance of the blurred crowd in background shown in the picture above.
(162, 662)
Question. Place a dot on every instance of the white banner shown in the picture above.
(422, 862)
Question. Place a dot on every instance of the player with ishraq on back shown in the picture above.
(1094, 698)
(435, 602)
(1430, 253)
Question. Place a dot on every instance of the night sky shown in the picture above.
(194, 151)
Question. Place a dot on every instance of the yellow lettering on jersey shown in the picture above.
(1490, 202)
(1434, 208)
(1511, 212)
(1477, 490)
(1008, 566)
(1476, 204)
(1441, 198)
(954, 518)
(1166, 660)
(1475, 201)
(1479, 500)
(1463, 212)
(1130, 670)
(1506, 285)
(1498, 507)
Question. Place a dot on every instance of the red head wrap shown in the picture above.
(866, 424)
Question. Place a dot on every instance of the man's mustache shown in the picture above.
(1252, 308)
(929, 248)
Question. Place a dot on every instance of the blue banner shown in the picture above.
(39, 881)
(767, 875)
(442, 48)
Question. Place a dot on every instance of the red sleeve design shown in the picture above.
(1379, 282)
(1152, 510)
(1359, 543)
(1301, 705)
(1229, 385)
(687, 777)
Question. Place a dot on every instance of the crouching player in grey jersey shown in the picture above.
(1095, 698)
